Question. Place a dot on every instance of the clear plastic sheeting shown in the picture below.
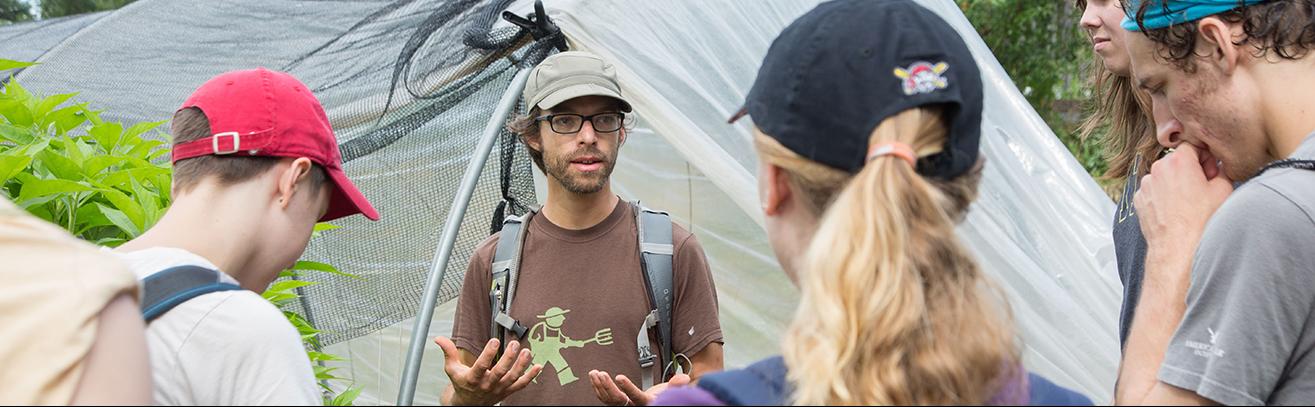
(1040, 227)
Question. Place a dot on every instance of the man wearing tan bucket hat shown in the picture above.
(637, 286)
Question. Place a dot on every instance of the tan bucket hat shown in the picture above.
(569, 75)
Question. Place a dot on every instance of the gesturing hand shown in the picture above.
(623, 392)
(484, 383)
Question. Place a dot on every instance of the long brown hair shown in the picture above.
(1120, 116)
(894, 310)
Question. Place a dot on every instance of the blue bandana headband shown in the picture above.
(1165, 13)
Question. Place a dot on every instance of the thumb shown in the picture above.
(680, 379)
(451, 356)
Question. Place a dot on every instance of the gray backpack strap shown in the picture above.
(506, 262)
(656, 252)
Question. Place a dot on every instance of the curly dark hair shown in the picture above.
(524, 126)
(1284, 27)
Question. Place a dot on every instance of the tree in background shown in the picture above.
(1044, 50)
(61, 8)
(14, 11)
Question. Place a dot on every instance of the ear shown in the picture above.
(622, 138)
(289, 180)
(534, 141)
(1218, 40)
(778, 191)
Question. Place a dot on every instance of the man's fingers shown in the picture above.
(1143, 194)
(525, 379)
(518, 369)
(508, 358)
(1221, 185)
(1209, 164)
(1188, 152)
(612, 392)
(598, 387)
(485, 360)
(631, 390)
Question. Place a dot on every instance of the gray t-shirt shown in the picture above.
(1248, 333)
(1130, 256)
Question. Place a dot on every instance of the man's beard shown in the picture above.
(578, 183)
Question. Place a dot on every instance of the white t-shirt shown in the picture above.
(224, 348)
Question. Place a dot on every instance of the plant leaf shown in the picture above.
(7, 64)
(123, 203)
(304, 265)
(60, 165)
(11, 165)
(324, 226)
(17, 112)
(90, 216)
(151, 207)
(124, 177)
(107, 135)
(50, 103)
(118, 218)
(111, 242)
(139, 129)
(16, 91)
(38, 188)
(15, 134)
(347, 397)
(322, 357)
(95, 165)
(67, 118)
(289, 285)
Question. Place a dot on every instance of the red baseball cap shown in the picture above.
(259, 112)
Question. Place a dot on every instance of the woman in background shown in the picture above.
(1120, 116)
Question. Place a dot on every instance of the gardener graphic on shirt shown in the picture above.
(547, 341)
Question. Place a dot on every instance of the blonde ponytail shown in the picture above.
(893, 309)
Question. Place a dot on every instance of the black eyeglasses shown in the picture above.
(568, 123)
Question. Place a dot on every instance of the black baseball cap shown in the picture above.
(838, 71)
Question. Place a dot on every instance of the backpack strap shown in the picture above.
(1042, 392)
(506, 263)
(170, 288)
(656, 251)
(760, 384)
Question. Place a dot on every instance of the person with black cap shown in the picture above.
(868, 116)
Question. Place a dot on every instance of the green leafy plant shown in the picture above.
(107, 184)
(64, 164)
(1047, 55)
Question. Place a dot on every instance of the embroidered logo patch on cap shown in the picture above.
(923, 77)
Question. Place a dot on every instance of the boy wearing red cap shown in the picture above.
(256, 165)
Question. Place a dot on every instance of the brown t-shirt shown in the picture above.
(575, 288)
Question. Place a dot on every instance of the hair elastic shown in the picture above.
(897, 149)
